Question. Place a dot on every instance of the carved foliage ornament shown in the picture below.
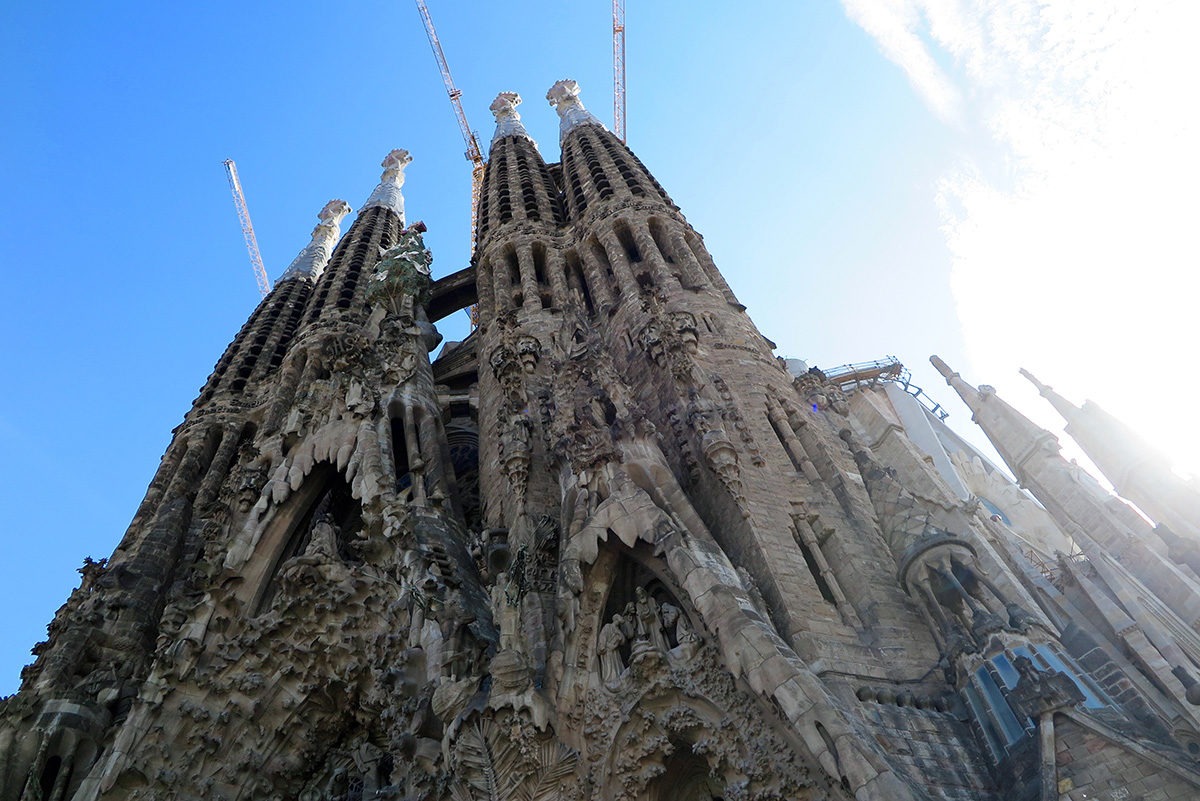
(402, 272)
(679, 722)
(508, 757)
(670, 339)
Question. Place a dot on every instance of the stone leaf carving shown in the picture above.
(506, 757)
(402, 271)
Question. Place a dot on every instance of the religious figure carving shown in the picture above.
(649, 625)
(323, 541)
(501, 360)
(689, 643)
(684, 324)
(670, 616)
(529, 351)
(515, 449)
(611, 640)
(651, 341)
(628, 621)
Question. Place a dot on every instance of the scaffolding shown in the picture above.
(850, 377)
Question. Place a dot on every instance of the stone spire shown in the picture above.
(311, 261)
(1137, 472)
(508, 121)
(1076, 500)
(564, 97)
(1063, 406)
(387, 194)
(1014, 435)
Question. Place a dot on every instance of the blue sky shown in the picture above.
(838, 186)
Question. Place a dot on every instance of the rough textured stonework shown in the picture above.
(607, 547)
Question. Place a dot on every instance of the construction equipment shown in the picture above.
(473, 153)
(850, 377)
(239, 201)
(618, 15)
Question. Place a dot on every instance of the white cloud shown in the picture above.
(895, 26)
(1074, 251)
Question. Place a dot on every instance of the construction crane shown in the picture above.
(618, 15)
(239, 201)
(473, 154)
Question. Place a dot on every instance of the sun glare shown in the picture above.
(1069, 209)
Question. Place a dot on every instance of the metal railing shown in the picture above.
(850, 377)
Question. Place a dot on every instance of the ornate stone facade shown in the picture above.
(607, 547)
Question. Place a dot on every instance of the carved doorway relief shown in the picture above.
(686, 777)
(641, 612)
(320, 522)
(642, 627)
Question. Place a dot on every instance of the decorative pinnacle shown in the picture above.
(508, 121)
(1061, 405)
(942, 368)
(564, 97)
(1041, 388)
(387, 194)
(311, 261)
(968, 393)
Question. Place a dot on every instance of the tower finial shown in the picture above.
(968, 393)
(387, 194)
(508, 121)
(311, 261)
(564, 97)
(1014, 435)
(1061, 405)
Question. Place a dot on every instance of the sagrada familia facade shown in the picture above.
(607, 547)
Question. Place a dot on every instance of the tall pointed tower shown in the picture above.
(607, 547)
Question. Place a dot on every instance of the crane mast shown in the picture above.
(239, 201)
(618, 16)
(473, 153)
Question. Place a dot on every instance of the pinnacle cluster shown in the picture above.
(609, 546)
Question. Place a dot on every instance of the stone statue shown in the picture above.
(686, 330)
(689, 643)
(322, 543)
(670, 616)
(611, 640)
(649, 625)
(628, 621)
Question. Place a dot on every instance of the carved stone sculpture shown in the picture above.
(603, 548)
(611, 640)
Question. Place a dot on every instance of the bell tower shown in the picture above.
(608, 546)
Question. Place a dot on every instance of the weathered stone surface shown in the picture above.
(608, 547)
